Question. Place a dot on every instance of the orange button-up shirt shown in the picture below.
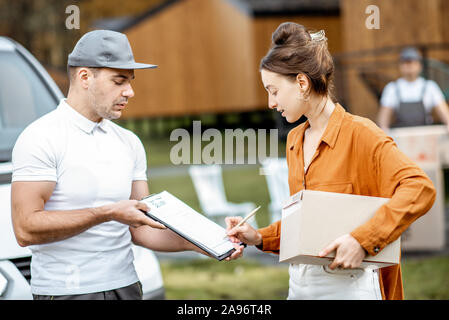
(355, 156)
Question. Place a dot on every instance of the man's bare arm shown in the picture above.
(443, 112)
(34, 225)
(384, 118)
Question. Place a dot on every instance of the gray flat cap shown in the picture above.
(104, 49)
(410, 53)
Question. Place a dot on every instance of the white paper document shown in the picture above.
(188, 223)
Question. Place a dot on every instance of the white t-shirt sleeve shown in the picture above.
(33, 158)
(433, 94)
(389, 96)
(140, 164)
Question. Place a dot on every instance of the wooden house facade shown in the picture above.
(208, 52)
(375, 52)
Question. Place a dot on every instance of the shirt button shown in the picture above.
(376, 249)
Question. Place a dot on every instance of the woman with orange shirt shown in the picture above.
(336, 151)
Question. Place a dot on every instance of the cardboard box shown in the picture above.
(313, 219)
(423, 144)
(428, 147)
(428, 232)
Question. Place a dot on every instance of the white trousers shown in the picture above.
(314, 282)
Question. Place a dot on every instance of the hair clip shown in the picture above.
(318, 36)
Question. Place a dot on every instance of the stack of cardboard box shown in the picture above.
(428, 147)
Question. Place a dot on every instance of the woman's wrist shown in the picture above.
(259, 240)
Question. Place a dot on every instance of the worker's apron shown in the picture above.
(410, 114)
(314, 282)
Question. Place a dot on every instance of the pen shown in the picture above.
(252, 213)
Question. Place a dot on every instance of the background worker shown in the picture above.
(411, 99)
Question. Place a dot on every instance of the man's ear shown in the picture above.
(83, 74)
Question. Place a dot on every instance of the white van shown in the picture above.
(26, 93)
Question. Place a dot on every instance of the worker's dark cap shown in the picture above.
(409, 54)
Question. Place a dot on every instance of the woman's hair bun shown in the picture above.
(289, 32)
(295, 50)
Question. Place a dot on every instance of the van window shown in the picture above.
(24, 97)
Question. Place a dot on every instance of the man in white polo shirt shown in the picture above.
(410, 100)
(76, 180)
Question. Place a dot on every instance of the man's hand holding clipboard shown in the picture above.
(192, 226)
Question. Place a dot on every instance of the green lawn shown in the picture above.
(241, 185)
(246, 279)
(214, 280)
(159, 150)
(426, 278)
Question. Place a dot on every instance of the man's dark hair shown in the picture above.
(71, 71)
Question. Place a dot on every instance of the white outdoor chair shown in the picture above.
(208, 183)
(276, 175)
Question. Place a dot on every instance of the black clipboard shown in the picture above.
(183, 235)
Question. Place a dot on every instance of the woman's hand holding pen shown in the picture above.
(244, 233)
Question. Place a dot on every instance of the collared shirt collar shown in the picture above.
(79, 120)
(330, 134)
